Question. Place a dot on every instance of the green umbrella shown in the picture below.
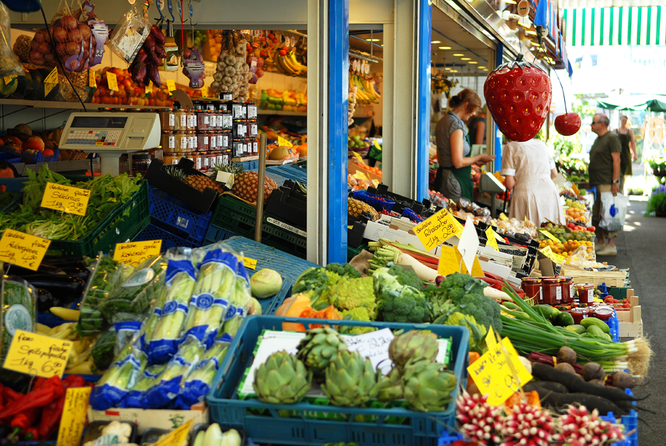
(655, 103)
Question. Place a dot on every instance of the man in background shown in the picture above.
(604, 173)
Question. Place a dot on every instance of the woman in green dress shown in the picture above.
(628, 153)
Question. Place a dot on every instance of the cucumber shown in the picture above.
(563, 319)
(576, 328)
(588, 321)
(595, 331)
(545, 310)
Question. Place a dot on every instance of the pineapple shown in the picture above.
(246, 185)
(175, 172)
(356, 207)
(201, 182)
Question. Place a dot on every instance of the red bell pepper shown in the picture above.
(40, 397)
(53, 412)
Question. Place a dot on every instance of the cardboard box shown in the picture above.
(147, 418)
(353, 167)
(610, 278)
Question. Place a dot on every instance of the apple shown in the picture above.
(567, 124)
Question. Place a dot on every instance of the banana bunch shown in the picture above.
(365, 89)
(287, 64)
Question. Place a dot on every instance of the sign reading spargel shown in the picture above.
(436, 229)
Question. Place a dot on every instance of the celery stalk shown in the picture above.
(180, 286)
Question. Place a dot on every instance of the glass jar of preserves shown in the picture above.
(552, 290)
(212, 142)
(181, 120)
(251, 110)
(140, 163)
(568, 290)
(203, 142)
(237, 148)
(171, 158)
(238, 110)
(226, 96)
(168, 121)
(578, 314)
(224, 121)
(239, 128)
(252, 128)
(193, 142)
(585, 293)
(223, 141)
(203, 118)
(532, 288)
(254, 147)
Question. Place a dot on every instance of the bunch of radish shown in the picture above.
(145, 67)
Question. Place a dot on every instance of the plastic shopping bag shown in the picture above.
(613, 211)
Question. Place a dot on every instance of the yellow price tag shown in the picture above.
(32, 353)
(526, 218)
(492, 241)
(549, 235)
(68, 199)
(9, 79)
(377, 146)
(112, 81)
(499, 373)
(133, 253)
(149, 87)
(17, 248)
(283, 142)
(171, 85)
(249, 263)
(437, 229)
(92, 81)
(491, 340)
(557, 258)
(450, 261)
(176, 437)
(50, 81)
(360, 175)
(73, 416)
(358, 157)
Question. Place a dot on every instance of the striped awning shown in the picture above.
(615, 26)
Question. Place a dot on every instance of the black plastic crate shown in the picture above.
(288, 205)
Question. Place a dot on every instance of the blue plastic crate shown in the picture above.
(448, 438)
(215, 234)
(249, 165)
(290, 172)
(614, 325)
(630, 423)
(177, 217)
(417, 429)
(10, 157)
(39, 157)
(380, 204)
(169, 240)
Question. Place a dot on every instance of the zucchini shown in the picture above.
(576, 328)
(510, 305)
(595, 331)
(589, 321)
(545, 310)
(563, 319)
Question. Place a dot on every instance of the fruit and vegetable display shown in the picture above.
(287, 100)
(128, 92)
(232, 72)
(570, 232)
(213, 436)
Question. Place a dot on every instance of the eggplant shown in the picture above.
(158, 35)
(153, 59)
(154, 75)
(45, 300)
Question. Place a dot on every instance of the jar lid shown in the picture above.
(531, 280)
(551, 280)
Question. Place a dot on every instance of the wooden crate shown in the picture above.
(631, 315)
(610, 278)
(630, 329)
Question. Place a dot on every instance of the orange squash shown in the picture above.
(299, 306)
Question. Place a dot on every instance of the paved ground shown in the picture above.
(641, 249)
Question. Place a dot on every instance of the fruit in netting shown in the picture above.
(319, 347)
(414, 344)
(518, 95)
(282, 379)
(246, 185)
(567, 124)
(350, 380)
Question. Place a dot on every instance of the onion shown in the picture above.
(61, 49)
(74, 35)
(45, 48)
(73, 48)
(34, 44)
(39, 37)
(60, 35)
(49, 57)
(37, 57)
(68, 22)
(85, 31)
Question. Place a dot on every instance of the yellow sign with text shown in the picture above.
(491, 341)
(68, 199)
(249, 263)
(133, 253)
(171, 85)
(551, 255)
(92, 80)
(437, 229)
(283, 142)
(112, 81)
(50, 81)
(17, 248)
(73, 416)
(32, 353)
(176, 437)
(492, 241)
(450, 261)
(149, 87)
(549, 235)
(499, 373)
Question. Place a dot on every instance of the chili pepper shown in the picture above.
(26, 418)
(31, 434)
(40, 397)
(10, 395)
(53, 412)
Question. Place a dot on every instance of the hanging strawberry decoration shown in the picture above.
(518, 96)
(567, 124)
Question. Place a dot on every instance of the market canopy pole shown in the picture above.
(260, 188)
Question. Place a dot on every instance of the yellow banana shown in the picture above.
(361, 94)
(287, 63)
(370, 85)
(276, 61)
(291, 57)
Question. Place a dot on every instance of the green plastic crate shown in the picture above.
(239, 217)
(123, 224)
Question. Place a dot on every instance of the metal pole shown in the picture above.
(260, 190)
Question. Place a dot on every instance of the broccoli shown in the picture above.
(349, 294)
(356, 314)
(345, 270)
(463, 293)
(399, 303)
(477, 332)
(406, 277)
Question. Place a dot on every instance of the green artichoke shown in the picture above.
(282, 379)
(319, 347)
(390, 386)
(426, 386)
(350, 380)
(414, 344)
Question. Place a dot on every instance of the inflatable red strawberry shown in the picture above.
(518, 96)
(567, 124)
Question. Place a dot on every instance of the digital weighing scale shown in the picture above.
(111, 134)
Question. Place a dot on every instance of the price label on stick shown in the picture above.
(176, 437)
(72, 200)
(149, 87)
(50, 81)
(492, 242)
(92, 81)
(133, 253)
(283, 142)
(171, 85)
(249, 263)
(549, 235)
(17, 248)
(436, 229)
(112, 81)
(32, 353)
(73, 416)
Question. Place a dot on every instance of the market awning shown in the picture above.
(615, 26)
(655, 103)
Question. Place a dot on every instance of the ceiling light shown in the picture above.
(465, 58)
(372, 40)
(458, 54)
(436, 41)
(473, 62)
(444, 47)
(454, 71)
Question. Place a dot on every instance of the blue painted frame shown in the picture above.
(338, 100)
(423, 100)
(499, 57)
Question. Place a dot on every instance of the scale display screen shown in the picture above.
(101, 122)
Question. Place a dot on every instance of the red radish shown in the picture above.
(567, 124)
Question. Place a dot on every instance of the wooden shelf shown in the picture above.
(69, 105)
(281, 113)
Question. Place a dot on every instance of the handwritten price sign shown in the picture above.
(133, 253)
(72, 200)
(35, 354)
(22, 249)
(437, 229)
(73, 416)
(374, 346)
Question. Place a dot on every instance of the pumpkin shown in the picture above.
(299, 306)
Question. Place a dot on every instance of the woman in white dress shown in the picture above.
(529, 170)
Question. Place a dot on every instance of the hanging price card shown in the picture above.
(171, 85)
(176, 437)
(72, 200)
(491, 341)
(50, 81)
(249, 263)
(549, 235)
(283, 142)
(492, 241)
(133, 253)
(499, 373)
(359, 158)
(22, 249)
(73, 416)
(436, 229)
(32, 353)
(548, 252)
(9, 79)
(112, 81)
